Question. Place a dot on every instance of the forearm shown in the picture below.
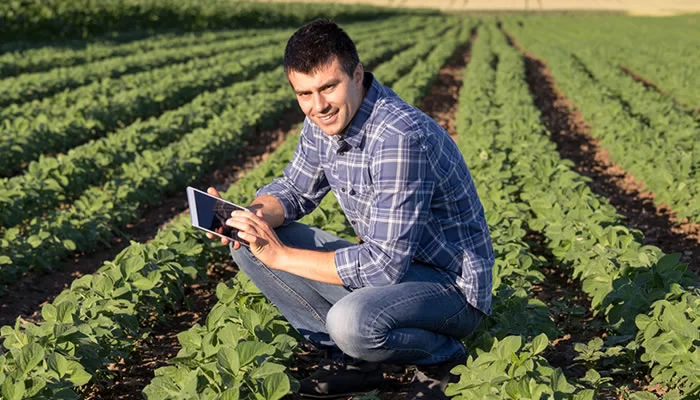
(273, 213)
(310, 264)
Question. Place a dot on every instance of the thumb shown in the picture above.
(212, 191)
(259, 213)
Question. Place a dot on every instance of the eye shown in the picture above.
(329, 88)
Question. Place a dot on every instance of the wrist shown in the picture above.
(282, 261)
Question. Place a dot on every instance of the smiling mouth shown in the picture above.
(327, 117)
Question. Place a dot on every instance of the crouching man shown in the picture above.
(421, 278)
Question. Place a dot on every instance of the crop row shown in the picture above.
(28, 87)
(71, 118)
(73, 19)
(51, 181)
(667, 161)
(667, 55)
(628, 283)
(413, 87)
(45, 58)
(507, 348)
(142, 280)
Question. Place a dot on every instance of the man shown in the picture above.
(421, 279)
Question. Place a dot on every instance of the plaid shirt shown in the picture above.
(404, 187)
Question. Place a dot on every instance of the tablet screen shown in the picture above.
(212, 214)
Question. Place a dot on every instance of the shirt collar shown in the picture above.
(354, 132)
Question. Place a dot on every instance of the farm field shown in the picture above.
(581, 132)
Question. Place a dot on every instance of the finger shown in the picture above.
(224, 241)
(212, 191)
(236, 245)
(250, 238)
(253, 218)
(210, 235)
(242, 225)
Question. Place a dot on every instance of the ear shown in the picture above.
(359, 74)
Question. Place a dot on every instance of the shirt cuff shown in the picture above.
(347, 263)
(285, 199)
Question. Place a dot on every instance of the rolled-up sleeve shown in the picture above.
(303, 183)
(400, 206)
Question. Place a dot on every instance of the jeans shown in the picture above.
(419, 320)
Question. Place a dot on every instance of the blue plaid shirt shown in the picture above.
(404, 187)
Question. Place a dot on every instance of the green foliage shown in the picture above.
(510, 369)
(52, 19)
(648, 135)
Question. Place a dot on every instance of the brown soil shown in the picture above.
(647, 83)
(651, 85)
(573, 139)
(441, 102)
(25, 297)
(571, 310)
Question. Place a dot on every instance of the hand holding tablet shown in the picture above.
(209, 213)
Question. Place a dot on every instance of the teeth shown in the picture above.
(328, 117)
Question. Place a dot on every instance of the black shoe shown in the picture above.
(430, 381)
(335, 379)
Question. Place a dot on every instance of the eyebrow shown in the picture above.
(320, 88)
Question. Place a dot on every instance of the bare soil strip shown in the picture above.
(441, 102)
(647, 83)
(25, 297)
(651, 85)
(572, 136)
(570, 308)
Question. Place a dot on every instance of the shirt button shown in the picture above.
(352, 222)
(342, 189)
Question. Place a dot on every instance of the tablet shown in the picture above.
(210, 213)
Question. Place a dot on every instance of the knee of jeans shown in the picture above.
(351, 325)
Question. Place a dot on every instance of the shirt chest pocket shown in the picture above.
(360, 191)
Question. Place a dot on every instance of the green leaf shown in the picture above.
(58, 363)
(276, 386)
(78, 375)
(268, 368)
(249, 351)
(509, 346)
(227, 359)
(643, 396)
(30, 356)
(35, 386)
(144, 284)
(12, 390)
(49, 313)
(539, 343)
(231, 394)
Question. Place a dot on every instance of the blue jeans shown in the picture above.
(419, 320)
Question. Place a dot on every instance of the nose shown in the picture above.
(321, 106)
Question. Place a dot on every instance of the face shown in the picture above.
(329, 96)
